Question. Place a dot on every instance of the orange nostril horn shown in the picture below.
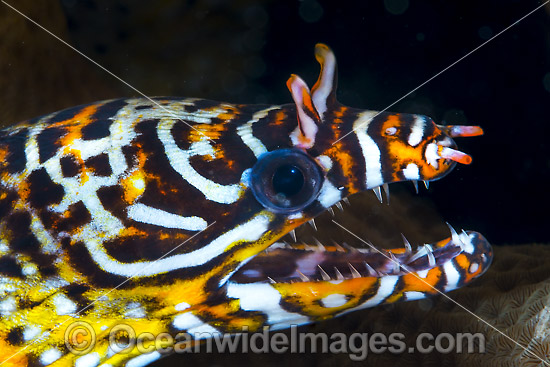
(457, 131)
(454, 155)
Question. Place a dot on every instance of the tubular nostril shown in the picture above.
(454, 155)
(455, 131)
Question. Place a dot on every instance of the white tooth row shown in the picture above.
(462, 240)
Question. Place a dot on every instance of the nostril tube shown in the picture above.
(456, 131)
(454, 155)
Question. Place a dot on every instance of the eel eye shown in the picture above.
(286, 180)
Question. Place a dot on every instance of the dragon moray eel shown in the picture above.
(165, 215)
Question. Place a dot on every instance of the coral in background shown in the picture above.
(513, 296)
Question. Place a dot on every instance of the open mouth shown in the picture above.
(315, 256)
(321, 258)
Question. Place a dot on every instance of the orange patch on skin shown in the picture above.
(339, 153)
(308, 103)
(75, 124)
(3, 155)
(9, 354)
(308, 295)
(23, 190)
(402, 153)
(73, 128)
(225, 313)
(133, 232)
(229, 115)
(279, 119)
(442, 243)
(413, 282)
(173, 235)
(464, 263)
(205, 131)
(191, 291)
(346, 163)
(134, 184)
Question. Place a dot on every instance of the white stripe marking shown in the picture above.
(411, 172)
(30, 332)
(179, 160)
(247, 136)
(144, 359)
(417, 131)
(134, 310)
(194, 326)
(431, 155)
(7, 306)
(88, 360)
(371, 152)
(63, 305)
(452, 275)
(467, 241)
(264, 298)
(50, 356)
(329, 194)
(334, 300)
(414, 295)
(250, 231)
(423, 273)
(146, 214)
(385, 289)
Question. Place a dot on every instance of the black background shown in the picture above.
(244, 51)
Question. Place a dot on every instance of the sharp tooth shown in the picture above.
(371, 271)
(378, 193)
(312, 223)
(331, 211)
(431, 257)
(415, 183)
(346, 200)
(387, 191)
(293, 234)
(419, 253)
(309, 248)
(338, 247)
(339, 275)
(408, 246)
(339, 206)
(455, 237)
(427, 184)
(287, 245)
(350, 248)
(396, 264)
(320, 246)
(271, 280)
(465, 234)
(303, 276)
(354, 272)
(324, 274)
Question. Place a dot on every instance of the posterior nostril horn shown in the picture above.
(457, 131)
(454, 155)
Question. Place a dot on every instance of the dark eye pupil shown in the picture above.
(288, 180)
